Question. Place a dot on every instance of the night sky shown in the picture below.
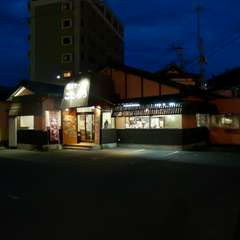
(151, 27)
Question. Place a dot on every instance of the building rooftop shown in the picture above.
(43, 89)
(163, 76)
(173, 71)
(226, 80)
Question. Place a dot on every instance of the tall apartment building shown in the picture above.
(72, 36)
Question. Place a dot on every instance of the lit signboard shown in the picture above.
(76, 93)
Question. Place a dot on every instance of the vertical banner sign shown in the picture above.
(54, 131)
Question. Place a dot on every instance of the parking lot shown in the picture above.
(120, 194)
(218, 157)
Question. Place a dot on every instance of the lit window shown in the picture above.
(66, 6)
(107, 120)
(67, 74)
(137, 122)
(67, 58)
(157, 122)
(202, 120)
(27, 122)
(67, 40)
(66, 23)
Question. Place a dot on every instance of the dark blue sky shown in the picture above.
(150, 29)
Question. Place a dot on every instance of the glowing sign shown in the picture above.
(131, 105)
(75, 91)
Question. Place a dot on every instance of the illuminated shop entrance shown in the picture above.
(85, 127)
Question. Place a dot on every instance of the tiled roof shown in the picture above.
(173, 71)
(44, 89)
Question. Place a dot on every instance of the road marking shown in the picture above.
(139, 150)
(172, 153)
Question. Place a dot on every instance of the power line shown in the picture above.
(219, 47)
(227, 44)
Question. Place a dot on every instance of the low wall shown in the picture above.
(221, 136)
(195, 135)
(108, 136)
(33, 137)
(155, 136)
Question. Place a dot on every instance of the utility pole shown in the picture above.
(200, 45)
(178, 49)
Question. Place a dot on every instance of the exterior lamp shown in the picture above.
(172, 104)
(58, 77)
(158, 105)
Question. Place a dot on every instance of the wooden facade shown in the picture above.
(130, 84)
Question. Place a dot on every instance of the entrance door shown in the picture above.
(85, 123)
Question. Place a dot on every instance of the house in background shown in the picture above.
(225, 126)
(175, 74)
(4, 94)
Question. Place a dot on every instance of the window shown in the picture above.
(66, 40)
(27, 122)
(67, 74)
(66, 6)
(67, 58)
(225, 121)
(173, 121)
(157, 122)
(202, 120)
(137, 122)
(153, 122)
(107, 120)
(66, 23)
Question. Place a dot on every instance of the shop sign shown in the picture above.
(76, 94)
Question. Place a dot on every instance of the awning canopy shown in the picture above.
(136, 109)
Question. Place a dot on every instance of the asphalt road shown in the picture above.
(119, 194)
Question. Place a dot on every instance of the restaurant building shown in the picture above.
(116, 106)
(121, 105)
(34, 116)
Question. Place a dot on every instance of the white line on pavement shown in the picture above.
(172, 153)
